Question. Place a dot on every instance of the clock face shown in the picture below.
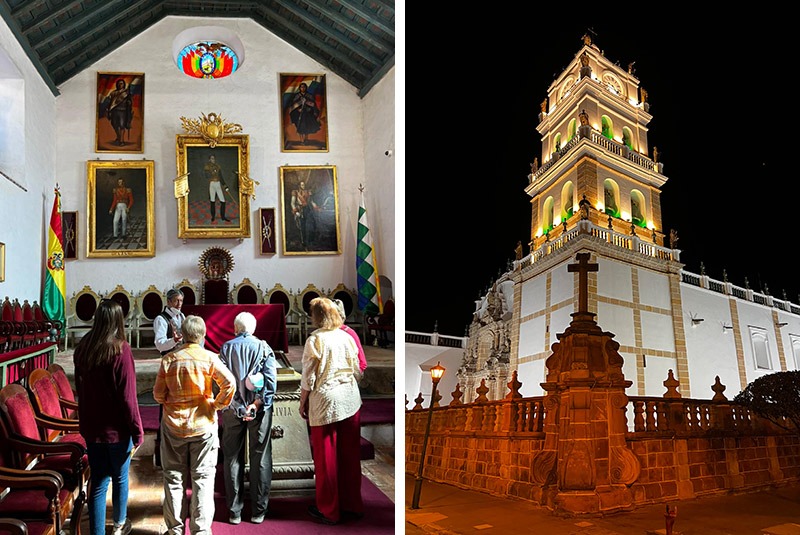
(611, 81)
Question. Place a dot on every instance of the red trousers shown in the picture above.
(336, 449)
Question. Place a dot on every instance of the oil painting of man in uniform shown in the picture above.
(120, 112)
(213, 201)
(121, 210)
(310, 210)
(304, 116)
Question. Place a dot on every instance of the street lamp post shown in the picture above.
(436, 374)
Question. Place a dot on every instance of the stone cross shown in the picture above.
(583, 267)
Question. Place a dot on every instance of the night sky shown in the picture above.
(722, 107)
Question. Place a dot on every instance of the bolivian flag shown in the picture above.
(55, 283)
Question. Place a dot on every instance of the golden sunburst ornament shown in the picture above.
(215, 263)
(212, 128)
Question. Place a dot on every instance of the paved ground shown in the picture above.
(445, 510)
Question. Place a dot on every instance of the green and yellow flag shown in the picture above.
(55, 283)
(369, 289)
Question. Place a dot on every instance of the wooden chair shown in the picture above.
(149, 304)
(246, 293)
(56, 328)
(22, 447)
(215, 291)
(279, 295)
(303, 302)
(128, 304)
(190, 292)
(381, 326)
(349, 298)
(82, 307)
(66, 395)
(33, 502)
(48, 408)
(10, 332)
(40, 329)
(26, 328)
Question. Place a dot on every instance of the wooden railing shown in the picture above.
(15, 366)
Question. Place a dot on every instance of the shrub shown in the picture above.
(776, 397)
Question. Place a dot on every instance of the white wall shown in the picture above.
(59, 139)
(25, 208)
(418, 361)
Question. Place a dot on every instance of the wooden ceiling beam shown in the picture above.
(299, 34)
(100, 29)
(25, 7)
(371, 16)
(86, 16)
(39, 21)
(328, 30)
(353, 26)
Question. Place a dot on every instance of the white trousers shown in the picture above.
(121, 214)
(215, 192)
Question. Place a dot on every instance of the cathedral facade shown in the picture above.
(597, 190)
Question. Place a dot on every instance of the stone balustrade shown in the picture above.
(684, 447)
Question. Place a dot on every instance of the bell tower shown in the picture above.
(593, 126)
(597, 190)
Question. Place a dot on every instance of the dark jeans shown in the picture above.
(258, 434)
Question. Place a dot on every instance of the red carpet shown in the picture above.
(377, 411)
(289, 516)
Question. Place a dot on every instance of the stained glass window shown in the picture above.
(207, 59)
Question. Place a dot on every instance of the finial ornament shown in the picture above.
(673, 239)
(212, 128)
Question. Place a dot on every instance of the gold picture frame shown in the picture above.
(119, 197)
(310, 210)
(2, 262)
(227, 158)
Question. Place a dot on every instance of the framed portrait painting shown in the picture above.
(119, 124)
(69, 227)
(310, 210)
(120, 204)
(213, 188)
(304, 113)
(266, 222)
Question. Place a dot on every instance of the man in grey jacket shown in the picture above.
(252, 363)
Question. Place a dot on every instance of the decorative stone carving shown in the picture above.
(543, 468)
(456, 394)
(625, 466)
(482, 391)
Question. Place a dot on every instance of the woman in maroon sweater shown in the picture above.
(105, 379)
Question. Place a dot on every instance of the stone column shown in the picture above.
(586, 465)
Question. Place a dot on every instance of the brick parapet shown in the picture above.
(672, 468)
